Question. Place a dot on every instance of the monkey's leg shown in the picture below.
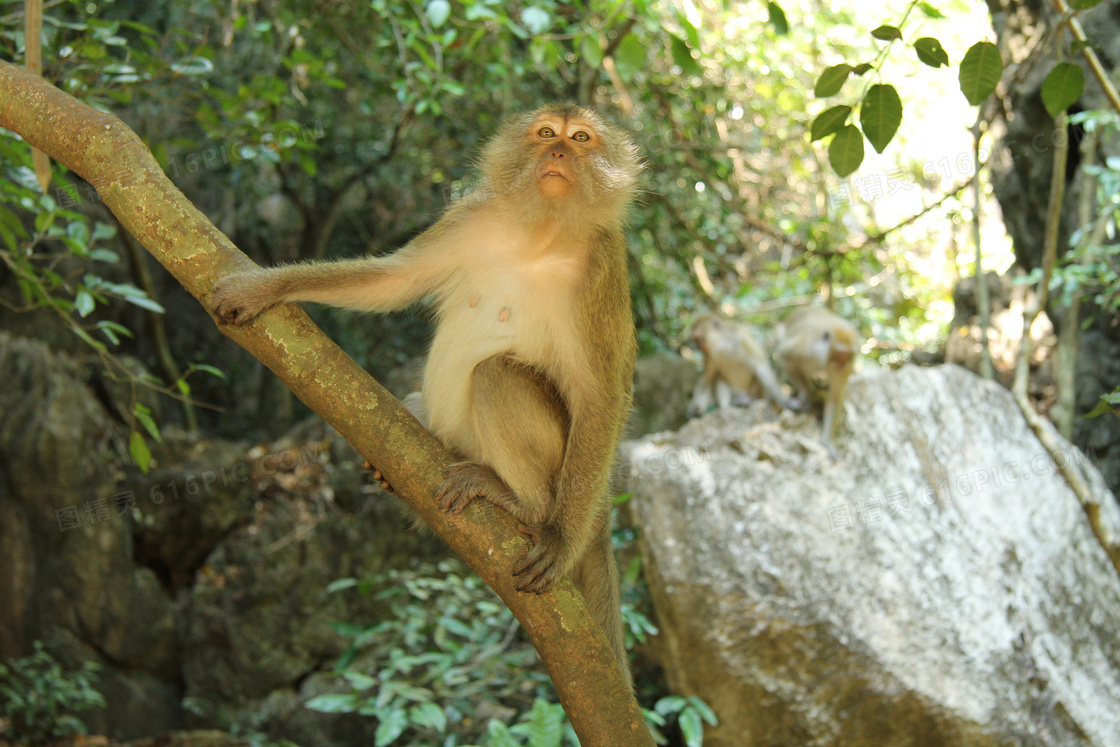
(596, 577)
(519, 427)
(723, 395)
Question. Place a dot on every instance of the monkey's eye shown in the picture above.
(581, 137)
(546, 132)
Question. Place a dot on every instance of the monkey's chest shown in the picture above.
(534, 324)
(525, 317)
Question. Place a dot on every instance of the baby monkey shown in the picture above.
(529, 375)
(817, 351)
(736, 368)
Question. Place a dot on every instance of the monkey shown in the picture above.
(817, 350)
(528, 380)
(736, 368)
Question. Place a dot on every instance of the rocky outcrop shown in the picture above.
(938, 585)
(200, 587)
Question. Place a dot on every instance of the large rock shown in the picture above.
(663, 386)
(938, 585)
(67, 571)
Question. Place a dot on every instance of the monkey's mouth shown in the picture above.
(550, 173)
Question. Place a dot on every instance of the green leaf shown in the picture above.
(307, 164)
(630, 57)
(359, 680)
(591, 51)
(931, 52)
(1084, 4)
(438, 11)
(393, 723)
(193, 66)
(880, 115)
(1063, 86)
(497, 735)
(103, 231)
(144, 415)
(887, 33)
(213, 371)
(1103, 407)
(778, 19)
(145, 303)
(79, 232)
(682, 56)
(832, 80)
(691, 728)
(537, 20)
(862, 68)
(333, 703)
(105, 255)
(670, 704)
(340, 584)
(690, 31)
(930, 11)
(980, 72)
(829, 121)
(83, 302)
(845, 152)
(138, 450)
(618, 500)
(111, 330)
(703, 709)
(428, 716)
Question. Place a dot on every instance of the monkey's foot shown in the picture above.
(378, 476)
(239, 297)
(540, 568)
(466, 481)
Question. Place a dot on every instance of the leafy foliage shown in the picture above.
(39, 698)
(447, 651)
(881, 106)
(690, 714)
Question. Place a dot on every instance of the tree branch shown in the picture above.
(105, 152)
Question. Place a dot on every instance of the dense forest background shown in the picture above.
(315, 130)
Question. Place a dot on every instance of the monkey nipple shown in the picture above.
(504, 315)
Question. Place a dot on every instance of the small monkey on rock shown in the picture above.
(529, 375)
(817, 352)
(736, 368)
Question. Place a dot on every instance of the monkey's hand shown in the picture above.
(541, 567)
(239, 297)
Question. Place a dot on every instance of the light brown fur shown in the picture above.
(529, 375)
(817, 350)
(736, 367)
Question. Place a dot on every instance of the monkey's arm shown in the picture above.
(769, 380)
(833, 406)
(598, 403)
(368, 284)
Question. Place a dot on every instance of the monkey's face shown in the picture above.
(701, 331)
(562, 157)
(562, 146)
